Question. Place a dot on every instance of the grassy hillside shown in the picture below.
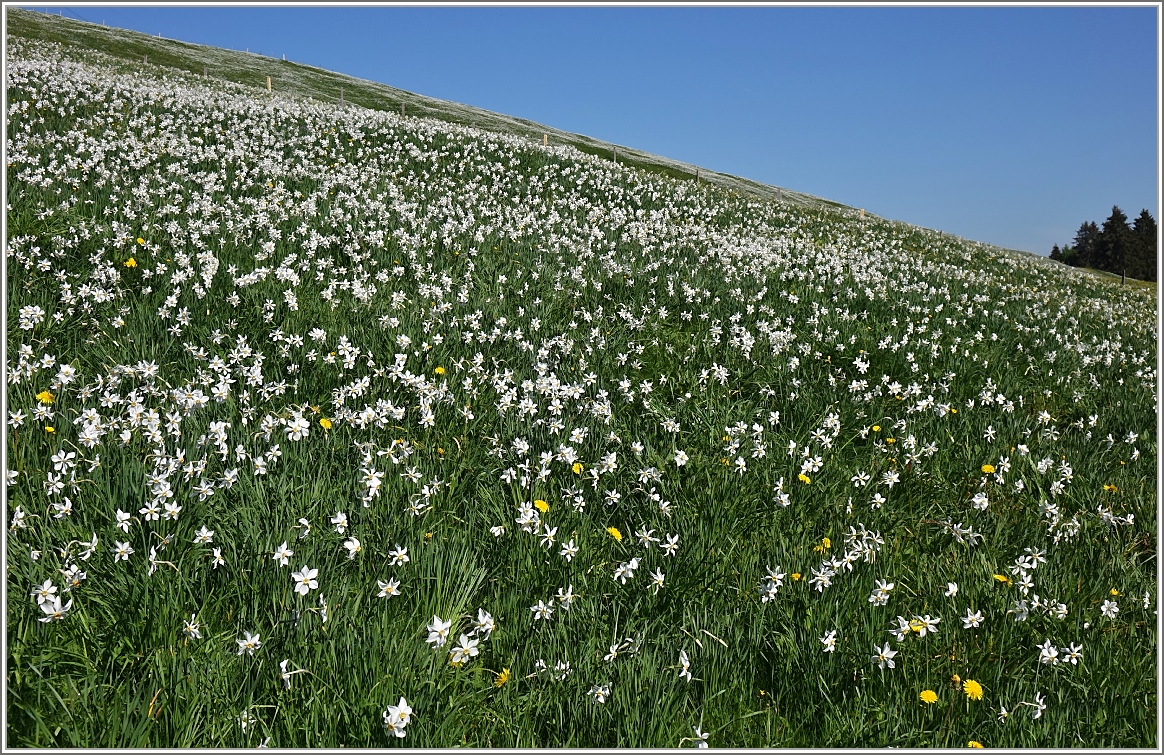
(328, 426)
(139, 51)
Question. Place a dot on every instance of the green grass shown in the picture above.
(641, 277)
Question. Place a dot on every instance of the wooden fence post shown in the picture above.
(145, 59)
(545, 140)
(268, 83)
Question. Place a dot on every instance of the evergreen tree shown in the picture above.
(1111, 250)
(1085, 241)
(1055, 254)
(1143, 248)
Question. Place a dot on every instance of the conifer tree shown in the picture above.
(1143, 248)
(1085, 241)
(1111, 251)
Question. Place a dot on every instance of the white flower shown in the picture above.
(304, 580)
(465, 650)
(353, 546)
(438, 631)
(397, 717)
(1109, 609)
(684, 666)
(599, 692)
(951, 589)
(542, 610)
(1048, 653)
(829, 640)
(388, 589)
(249, 644)
(681, 458)
(972, 619)
(884, 656)
(283, 554)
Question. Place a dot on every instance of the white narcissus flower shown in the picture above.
(305, 580)
(438, 631)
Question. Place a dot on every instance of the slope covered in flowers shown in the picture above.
(328, 426)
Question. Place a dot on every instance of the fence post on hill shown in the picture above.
(616, 154)
(268, 84)
(545, 140)
(779, 194)
(341, 94)
(145, 59)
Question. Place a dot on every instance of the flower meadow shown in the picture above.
(334, 427)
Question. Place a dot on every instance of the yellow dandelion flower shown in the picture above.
(825, 544)
(1002, 578)
(876, 428)
(891, 440)
(131, 262)
(140, 240)
(972, 689)
(928, 696)
(615, 533)
(49, 429)
(1115, 591)
(439, 370)
(804, 478)
(577, 467)
(502, 678)
(916, 625)
(987, 469)
(541, 505)
(796, 576)
(975, 744)
(1111, 488)
(44, 397)
(325, 423)
(953, 411)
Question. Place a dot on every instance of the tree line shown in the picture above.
(1116, 247)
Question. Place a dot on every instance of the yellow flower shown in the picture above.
(1002, 578)
(140, 240)
(987, 469)
(795, 576)
(541, 505)
(1115, 591)
(953, 411)
(502, 678)
(825, 544)
(615, 533)
(891, 440)
(44, 397)
(1111, 488)
(916, 625)
(131, 262)
(577, 467)
(974, 743)
(972, 689)
(325, 423)
(49, 429)
(804, 478)
(928, 696)
(439, 370)
(876, 428)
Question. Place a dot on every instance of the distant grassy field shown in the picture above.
(332, 427)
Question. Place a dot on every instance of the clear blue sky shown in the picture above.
(1001, 124)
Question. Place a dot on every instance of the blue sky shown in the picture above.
(1008, 125)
